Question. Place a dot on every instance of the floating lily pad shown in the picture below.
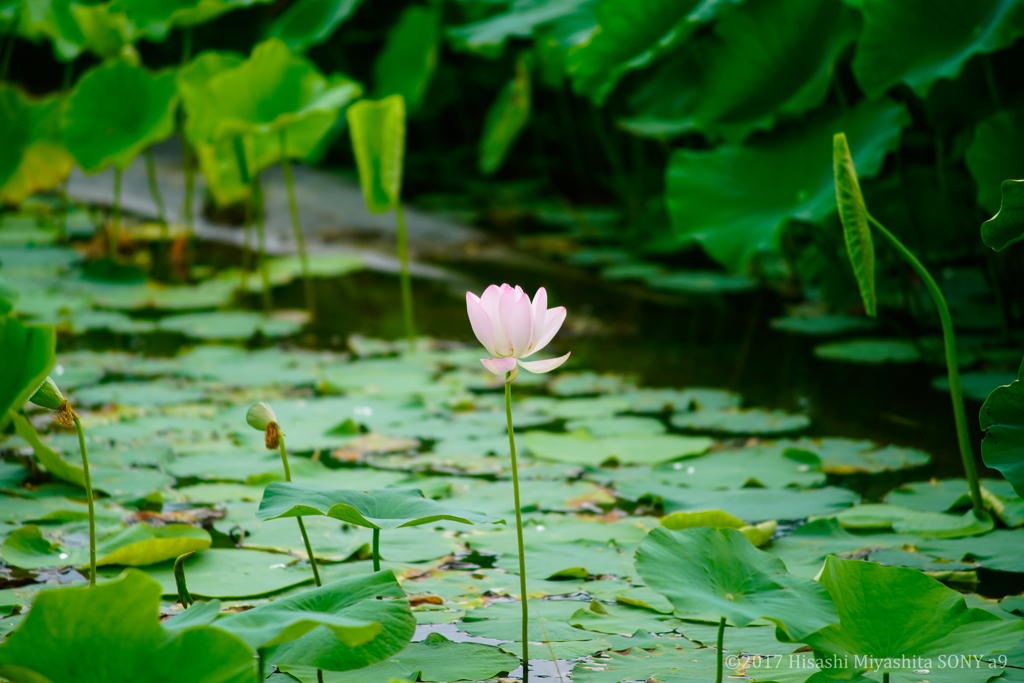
(750, 505)
(745, 583)
(905, 521)
(976, 385)
(584, 450)
(136, 546)
(805, 549)
(847, 456)
(434, 659)
(234, 324)
(682, 665)
(701, 282)
(823, 325)
(749, 421)
(870, 351)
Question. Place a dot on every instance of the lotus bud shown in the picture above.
(261, 416)
(48, 396)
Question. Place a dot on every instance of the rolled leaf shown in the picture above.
(506, 119)
(854, 214)
(378, 140)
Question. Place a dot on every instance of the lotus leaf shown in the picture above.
(155, 18)
(28, 353)
(711, 193)
(718, 572)
(506, 119)
(581, 449)
(406, 65)
(69, 632)
(378, 140)
(893, 615)
(376, 508)
(33, 158)
(310, 22)
(748, 421)
(138, 545)
(1001, 419)
(127, 125)
(870, 351)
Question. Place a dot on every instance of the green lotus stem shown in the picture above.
(721, 655)
(403, 258)
(302, 527)
(300, 240)
(885, 677)
(188, 162)
(261, 663)
(154, 190)
(179, 579)
(519, 528)
(246, 249)
(5, 66)
(952, 365)
(89, 500)
(261, 258)
(114, 238)
(376, 550)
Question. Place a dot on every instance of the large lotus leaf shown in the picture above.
(233, 573)
(310, 22)
(750, 505)
(804, 551)
(378, 141)
(718, 572)
(102, 127)
(893, 615)
(747, 421)
(29, 354)
(406, 65)
(732, 200)
(631, 35)
(754, 466)
(506, 118)
(319, 648)
(622, 619)
(902, 520)
(346, 608)
(434, 659)
(548, 621)
(73, 27)
(522, 18)
(1002, 419)
(1001, 550)
(387, 508)
(758, 535)
(1007, 226)
(795, 44)
(849, 456)
(581, 449)
(234, 324)
(112, 632)
(918, 42)
(155, 18)
(995, 155)
(33, 158)
(663, 663)
(273, 91)
(137, 546)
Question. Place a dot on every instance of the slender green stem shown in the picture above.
(952, 365)
(12, 37)
(885, 677)
(114, 238)
(302, 527)
(403, 258)
(300, 239)
(154, 189)
(376, 550)
(261, 256)
(179, 579)
(188, 165)
(261, 664)
(519, 529)
(246, 248)
(89, 500)
(721, 654)
(186, 44)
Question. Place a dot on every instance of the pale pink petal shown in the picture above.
(491, 300)
(483, 326)
(539, 366)
(510, 320)
(540, 308)
(517, 318)
(552, 323)
(499, 366)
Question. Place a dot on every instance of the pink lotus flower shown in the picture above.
(512, 328)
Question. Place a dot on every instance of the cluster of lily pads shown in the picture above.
(667, 532)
